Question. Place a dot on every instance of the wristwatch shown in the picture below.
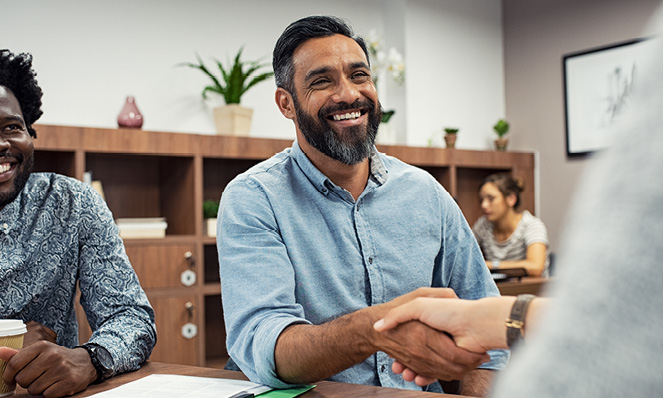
(101, 360)
(515, 323)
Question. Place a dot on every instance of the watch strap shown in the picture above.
(515, 324)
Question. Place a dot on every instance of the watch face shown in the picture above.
(104, 358)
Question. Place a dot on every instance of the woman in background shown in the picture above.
(508, 238)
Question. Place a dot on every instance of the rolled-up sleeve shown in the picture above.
(252, 253)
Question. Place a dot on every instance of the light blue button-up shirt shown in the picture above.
(295, 248)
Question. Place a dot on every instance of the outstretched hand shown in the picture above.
(476, 326)
(47, 369)
(424, 349)
(410, 375)
(428, 352)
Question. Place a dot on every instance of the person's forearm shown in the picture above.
(308, 353)
(477, 383)
(486, 319)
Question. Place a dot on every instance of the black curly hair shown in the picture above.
(17, 75)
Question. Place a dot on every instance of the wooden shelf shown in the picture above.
(160, 174)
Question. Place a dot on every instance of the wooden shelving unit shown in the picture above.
(157, 174)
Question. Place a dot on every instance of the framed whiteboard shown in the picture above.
(598, 87)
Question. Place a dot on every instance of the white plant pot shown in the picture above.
(210, 227)
(233, 119)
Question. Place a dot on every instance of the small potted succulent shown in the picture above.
(233, 82)
(210, 210)
(450, 136)
(501, 128)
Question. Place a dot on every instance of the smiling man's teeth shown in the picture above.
(349, 115)
(5, 167)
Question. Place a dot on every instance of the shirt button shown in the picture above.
(5, 226)
(324, 190)
(382, 368)
(370, 261)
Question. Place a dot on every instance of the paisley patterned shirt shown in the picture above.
(57, 232)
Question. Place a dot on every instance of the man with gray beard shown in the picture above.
(321, 240)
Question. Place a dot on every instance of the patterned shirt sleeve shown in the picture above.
(116, 307)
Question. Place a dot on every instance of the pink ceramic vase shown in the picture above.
(130, 116)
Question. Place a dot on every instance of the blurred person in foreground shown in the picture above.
(56, 233)
(601, 333)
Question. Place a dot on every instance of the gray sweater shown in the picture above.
(603, 336)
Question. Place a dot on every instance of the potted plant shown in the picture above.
(232, 82)
(210, 210)
(501, 128)
(450, 136)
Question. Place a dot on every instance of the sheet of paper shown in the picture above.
(165, 386)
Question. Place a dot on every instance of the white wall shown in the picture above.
(455, 70)
(89, 55)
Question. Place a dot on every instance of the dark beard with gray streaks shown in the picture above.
(354, 145)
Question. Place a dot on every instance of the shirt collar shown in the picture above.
(378, 171)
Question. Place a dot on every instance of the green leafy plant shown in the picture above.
(501, 127)
(447, 130)
(233, 81)
(210, 208)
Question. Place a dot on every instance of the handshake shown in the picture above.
(433, 335)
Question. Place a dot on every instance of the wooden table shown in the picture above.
(323, 389)
(527, 284)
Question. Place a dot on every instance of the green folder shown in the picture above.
(285, 393)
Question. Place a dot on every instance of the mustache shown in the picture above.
(9, 156)
(344, 106)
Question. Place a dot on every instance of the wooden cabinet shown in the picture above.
(163, 264)
(156, 174)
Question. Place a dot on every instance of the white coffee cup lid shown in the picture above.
(12, 327)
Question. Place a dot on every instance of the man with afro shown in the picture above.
(56, 233)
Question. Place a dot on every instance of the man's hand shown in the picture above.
(409, 375)
(308, 353)
(429, 353)
(476, 383)
(44, 368)
(37, 332)
(476, 325)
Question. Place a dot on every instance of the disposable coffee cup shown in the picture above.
(11, 335)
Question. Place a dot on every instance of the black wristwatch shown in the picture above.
(101, 360)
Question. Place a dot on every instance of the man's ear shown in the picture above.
(285, 103)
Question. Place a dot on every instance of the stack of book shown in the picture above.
(153, 227)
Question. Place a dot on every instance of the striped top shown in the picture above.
(530, 230)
